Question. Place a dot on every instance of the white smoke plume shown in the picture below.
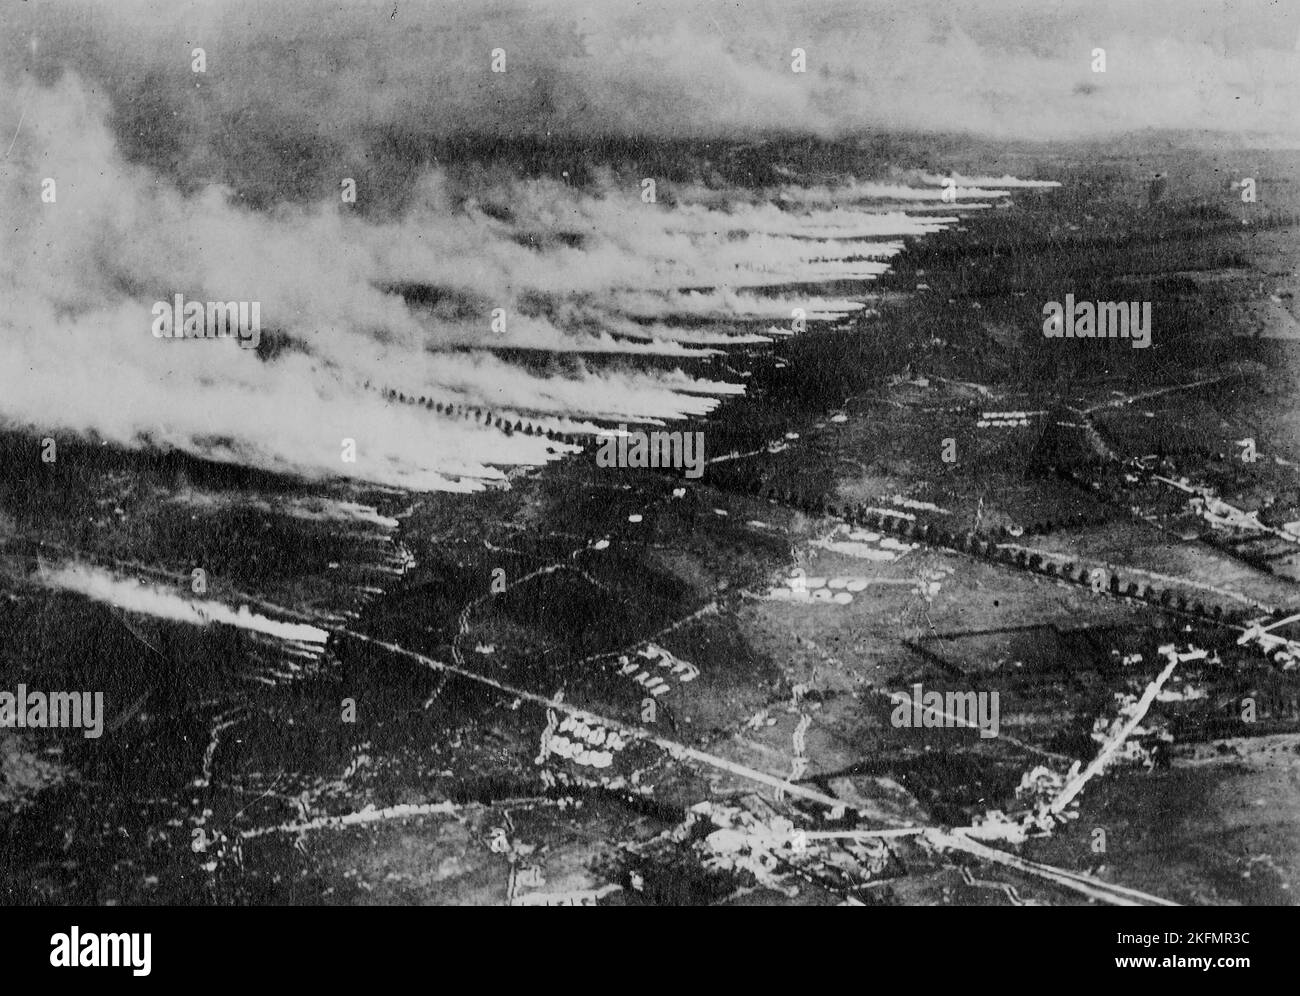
(133, 596)
(224, 186)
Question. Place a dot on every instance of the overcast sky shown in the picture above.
(333, 73)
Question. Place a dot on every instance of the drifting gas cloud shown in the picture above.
(128, 593)
(466, 245)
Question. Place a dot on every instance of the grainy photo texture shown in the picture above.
(670, 453)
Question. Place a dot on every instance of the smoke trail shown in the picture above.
(224, 186)
(81, 274)
(131, 595)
